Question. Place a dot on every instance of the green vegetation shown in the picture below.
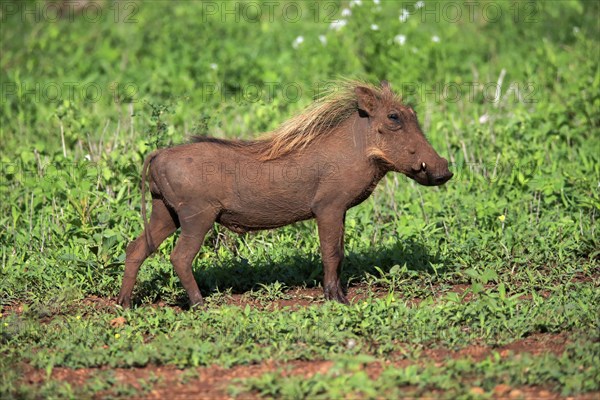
(507, 249)
(574, 371)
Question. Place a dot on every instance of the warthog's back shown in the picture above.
(246, 193)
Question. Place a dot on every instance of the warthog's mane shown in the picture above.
(318, 119)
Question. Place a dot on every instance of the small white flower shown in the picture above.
(419, 4)
(346, 12)
(575, 30)
(374, 27)
(297, 42)
(484, 119)
(323, 39)
(435, 39)
(88, 157)
(400, 39)
(377, 2)
(338, 24)
(355, 3)
(404, 15)
(213, 66)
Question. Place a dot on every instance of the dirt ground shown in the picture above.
(212, 382)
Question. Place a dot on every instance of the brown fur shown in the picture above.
(316, 165)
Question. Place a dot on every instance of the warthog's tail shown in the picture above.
(145, 167)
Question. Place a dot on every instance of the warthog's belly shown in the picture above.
(254, 220)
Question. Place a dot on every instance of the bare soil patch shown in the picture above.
(212, 382)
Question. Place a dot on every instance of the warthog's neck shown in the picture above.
(351, 174)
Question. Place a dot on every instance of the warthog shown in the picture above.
(316, 165)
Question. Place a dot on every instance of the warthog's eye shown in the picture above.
(396, 122)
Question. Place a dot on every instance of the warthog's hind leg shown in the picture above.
(193, 230)
(163, 222)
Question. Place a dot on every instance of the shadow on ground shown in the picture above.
(299, 270)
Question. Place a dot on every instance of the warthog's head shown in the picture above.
(396, 139)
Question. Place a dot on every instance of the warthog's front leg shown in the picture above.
(193, 229)
(331, 236)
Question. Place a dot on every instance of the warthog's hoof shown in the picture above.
(124, 302)
(197, 304)
(335, 293)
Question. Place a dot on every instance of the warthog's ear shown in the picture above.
(367, 99)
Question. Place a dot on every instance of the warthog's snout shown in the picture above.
(432, 175)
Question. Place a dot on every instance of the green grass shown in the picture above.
(377, 326)
(515, 230)
(573, 371)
